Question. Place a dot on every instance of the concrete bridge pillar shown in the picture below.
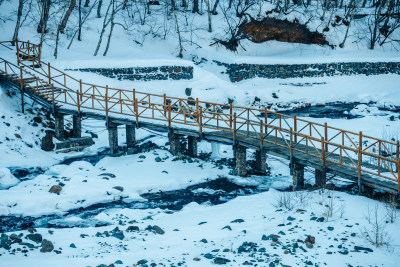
(59, 126)
(320, 178)
(298, 176)
(261, 161)
(113, 137)
(192, 146)
(174, 143)
(77, 126)
(240, 158)
(130, 135)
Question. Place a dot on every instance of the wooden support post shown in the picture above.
(298, 176)
(192, 146)
(77, 125)
(240, 160)
(113, 137)
(130, 135)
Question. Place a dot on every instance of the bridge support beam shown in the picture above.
(192, 146)
(298, 176)
(261, 161)
(77, 126)
(240, 159)
(130, 135)
(59, 126)
(175, 143)
(113, 137)
(320, 178)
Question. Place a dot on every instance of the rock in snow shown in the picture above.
(7, 179)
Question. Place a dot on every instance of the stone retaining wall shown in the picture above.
(144, 73)
(238, 72)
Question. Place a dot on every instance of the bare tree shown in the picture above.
(99, 9)
(64, 21)
(195, 6)
(18, 23)
(106, 21)
(44, 8)
(179, 34)
(209, 15)
(63, 24)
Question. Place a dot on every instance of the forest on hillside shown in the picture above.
(333, 23)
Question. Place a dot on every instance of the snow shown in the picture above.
(7, 179)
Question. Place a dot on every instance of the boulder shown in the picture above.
(47, 142)
(47, 246)
(56, 189)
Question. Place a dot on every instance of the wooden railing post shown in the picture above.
(165, 105)
(326, 136)
(136, 108)
(323, 152)
(230, 115)
(169, 115)
(22, 90)
(234, 128)
(18, 59)
(201, 120)
(106, 104)
(78, 104)
(266, 120)
(295, 128)
(80, 88)
(261, 134)
(49, 73)
(379, 156)
(359, 165)
(398, 175)
(291, 142)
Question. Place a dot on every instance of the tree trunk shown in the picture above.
(111, 28)
(44, 16)
(99, 9)
(195, 6)
(173, 7)
(63, 23)
(209, 15)
(179, 34)
(18, 23)
(87, 3)
(106, 21)
(214, 11)
(184, 4)
(80, 20)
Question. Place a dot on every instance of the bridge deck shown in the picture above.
(346, 154)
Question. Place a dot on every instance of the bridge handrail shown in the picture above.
(252, 122)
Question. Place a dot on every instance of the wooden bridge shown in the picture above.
(369, 161)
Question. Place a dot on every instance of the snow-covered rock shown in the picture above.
(7, 179)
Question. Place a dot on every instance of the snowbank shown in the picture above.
(7, 179)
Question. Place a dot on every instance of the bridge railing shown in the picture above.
(331, 145)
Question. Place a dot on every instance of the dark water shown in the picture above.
(214, 192)
(336, 110)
